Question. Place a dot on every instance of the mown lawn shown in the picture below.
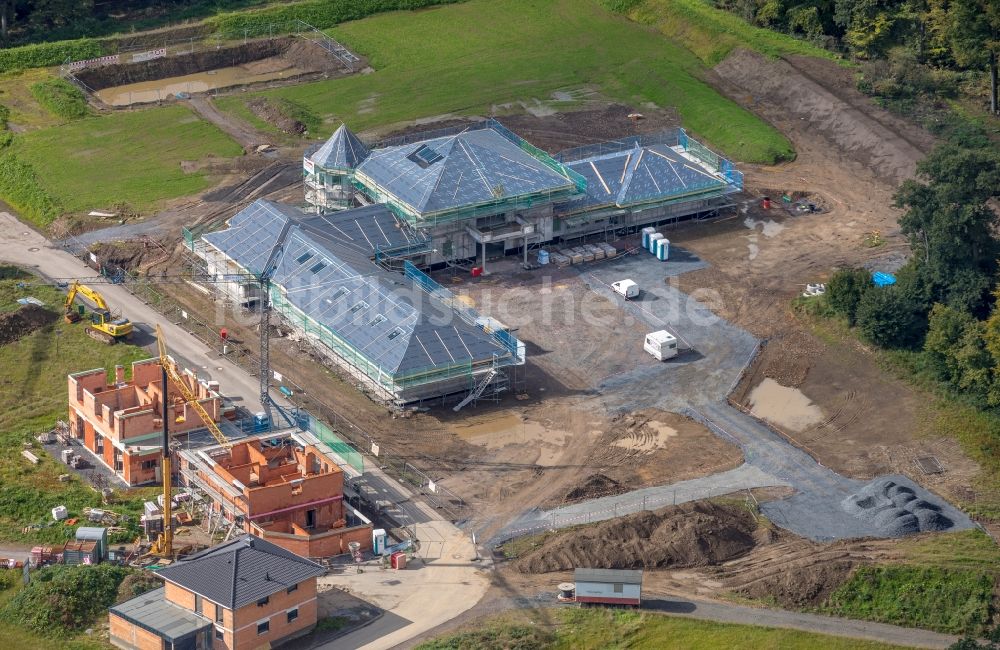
(33, 373)
(131, 157)
(597, 629)
(468, 58)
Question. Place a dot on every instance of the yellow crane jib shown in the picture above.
(104, 326)
(189, 397)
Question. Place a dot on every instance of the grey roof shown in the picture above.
(240, 572)
(477, 166)
(624, 576)
(152, 612)
(367, 229)
(641, 175)
(342, 152)
(325, 271)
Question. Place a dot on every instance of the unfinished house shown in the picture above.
(479, 191)
(122, 423)
(337, 282)
(280, 490)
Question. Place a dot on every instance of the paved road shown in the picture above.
(743, 477)
(29, 249)
(728, 613)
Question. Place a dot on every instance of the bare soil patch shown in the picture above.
(266, 110)
(689, 535)
(23, 321)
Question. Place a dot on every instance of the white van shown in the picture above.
(662, 345)
(626, 288)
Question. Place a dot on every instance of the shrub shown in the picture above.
(318, 13)
(61, 98)
(138, 583)
(845, 290)
(41, 55)
(889, 318)
(621, 6)
(62, 600)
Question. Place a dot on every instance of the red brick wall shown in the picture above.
(304, 598)
(326, 544)
(125, 634)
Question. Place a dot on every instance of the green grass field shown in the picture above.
(712, 34)
(33, 373)
(131, 157)
(600, 629)
(470, 57)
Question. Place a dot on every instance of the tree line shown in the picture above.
(948, 34)
(946, 301)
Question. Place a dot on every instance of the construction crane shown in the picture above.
(105, 326)
(171, 375)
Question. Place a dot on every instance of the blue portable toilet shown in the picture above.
(653, 238)
(260, 422)
(543, 257)
(662, 249)
(646, 232)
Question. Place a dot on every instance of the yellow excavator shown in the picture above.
(104, 326)
(164, 544)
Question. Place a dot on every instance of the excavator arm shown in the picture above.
(189, 397)
(90, 294)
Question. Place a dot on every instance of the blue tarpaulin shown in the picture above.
(883, 279)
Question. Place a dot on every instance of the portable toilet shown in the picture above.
(646, 232)
(543, 257)
(662, 249)
(261, 422)
(653, 238)
(378, 541)
(661, 344)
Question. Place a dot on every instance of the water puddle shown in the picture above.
(159, 89)
(502, 430)
(786, 407)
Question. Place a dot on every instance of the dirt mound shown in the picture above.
(129, 255)
(307, 55)
(688, 535)
(24, 321)
(801, 586)
(595, 485)
(846, 119)
(272, 114)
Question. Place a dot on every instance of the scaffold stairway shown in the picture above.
(478, 390)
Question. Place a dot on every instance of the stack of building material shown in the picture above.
(94, 534)
(597, 251)
(609, 250)
(81, 553)
(574, 257)
(588, 256)
(42, 555)
(559, 260)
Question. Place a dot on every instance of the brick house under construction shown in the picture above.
(280, 490)
(121, 423)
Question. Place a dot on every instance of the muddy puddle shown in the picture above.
(786, 407)
(160, 89)
(507, 429)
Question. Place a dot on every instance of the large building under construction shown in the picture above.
(480, 191)
(347, 272)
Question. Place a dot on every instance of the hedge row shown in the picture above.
(20, 188)
(318, 13)
(41, 55)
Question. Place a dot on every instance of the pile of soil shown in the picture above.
(802, 586)
(594, 486)
(129, 255)
(267, 111)
(24, 321)
(689, 535)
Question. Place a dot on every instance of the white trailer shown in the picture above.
(661, 344)
(626, 288)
